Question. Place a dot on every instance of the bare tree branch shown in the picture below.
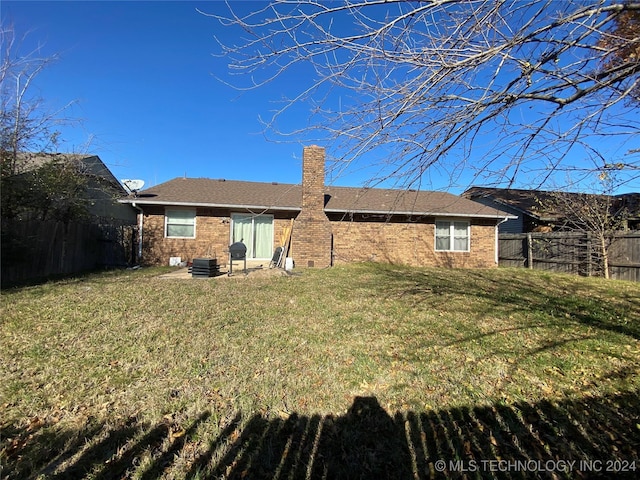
(521, 88)
(29, 186)
(599, 215)
(25, 123)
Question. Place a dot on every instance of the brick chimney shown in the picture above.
(311, 235)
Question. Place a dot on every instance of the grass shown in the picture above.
(359, 371)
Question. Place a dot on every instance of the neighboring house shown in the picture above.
(532, 207)
(103, 189)
(631, 202)
(197, 217)
(61, 223)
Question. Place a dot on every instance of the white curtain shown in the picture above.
(256, 232)
(242, 232)
(263, 236)
(443, 239)
(461, 236)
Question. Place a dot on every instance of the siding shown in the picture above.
(510, 226)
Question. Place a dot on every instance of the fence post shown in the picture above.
(529, 251)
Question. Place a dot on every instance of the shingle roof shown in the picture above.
(28, 161)
(378, 200)
(89, 164)
(206, 192)
(529, 202)
(538, 203)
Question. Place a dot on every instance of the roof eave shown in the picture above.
(140, 202)
(137, 201)
(424, 214)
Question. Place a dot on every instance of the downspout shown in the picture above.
(140, 223)
(497, 240)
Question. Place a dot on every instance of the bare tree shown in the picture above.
(509, 91)
(31, 187)
(600, 216)
(26, 125)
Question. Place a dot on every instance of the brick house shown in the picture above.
(198, 217)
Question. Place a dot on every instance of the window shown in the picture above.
(256, 232)
(180, 224)
(452, 235)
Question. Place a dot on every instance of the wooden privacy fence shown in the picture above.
(33, 250)
(572, 252)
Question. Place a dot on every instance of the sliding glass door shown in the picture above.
(256, 232)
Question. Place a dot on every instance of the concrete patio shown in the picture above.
(255, 268)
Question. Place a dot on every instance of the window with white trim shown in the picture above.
(180, 223)
(452, 235)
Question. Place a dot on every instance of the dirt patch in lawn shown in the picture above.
(255, 272)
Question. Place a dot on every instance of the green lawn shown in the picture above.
(362, 371)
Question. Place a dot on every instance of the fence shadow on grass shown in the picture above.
(505, 441)
(572, 303)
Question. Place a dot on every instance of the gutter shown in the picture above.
(140, 224)
(496, 236)
(417, 213)
(211, 205)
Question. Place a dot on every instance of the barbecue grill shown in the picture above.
(237, 251)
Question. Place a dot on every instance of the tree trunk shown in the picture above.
(605, 256)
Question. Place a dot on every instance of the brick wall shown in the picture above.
(483, 244)
(212, 238)
(410, 244)
(213, 234)
(353, 241)
(311, 236)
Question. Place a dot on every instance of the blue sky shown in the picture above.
(143, 76)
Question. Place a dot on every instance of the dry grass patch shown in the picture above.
(130, 374)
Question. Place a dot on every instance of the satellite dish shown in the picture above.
(133, 185)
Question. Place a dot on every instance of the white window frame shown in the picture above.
(167, 222)
(452, 224)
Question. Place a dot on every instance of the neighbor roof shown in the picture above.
(538, 203)
(91, 164)
(529, 202)
(204, 192)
